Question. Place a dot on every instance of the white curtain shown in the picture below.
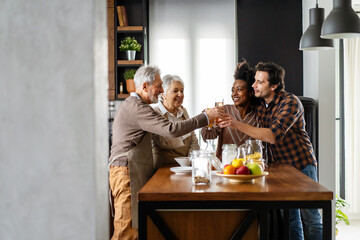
(352, 123)
(196, 40)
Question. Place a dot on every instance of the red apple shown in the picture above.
(243, 170)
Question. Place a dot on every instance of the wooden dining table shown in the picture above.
(171, 207)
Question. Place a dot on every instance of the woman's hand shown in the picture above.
(215, 112)
(226, 121)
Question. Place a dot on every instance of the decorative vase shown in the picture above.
(130, 85)
(131, 54)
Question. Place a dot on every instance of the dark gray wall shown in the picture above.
(271, 31)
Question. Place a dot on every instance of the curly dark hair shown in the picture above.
(244, 72)
(276, 74)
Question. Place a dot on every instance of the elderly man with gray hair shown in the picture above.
(131, 159)
(165, 149)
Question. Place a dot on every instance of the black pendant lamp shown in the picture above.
(311, 39)
(342, 21)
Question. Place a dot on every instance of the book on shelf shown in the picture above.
(124, 16)
(123, 21)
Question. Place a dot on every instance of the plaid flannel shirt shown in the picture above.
(284, 116)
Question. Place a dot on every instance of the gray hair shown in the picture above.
(146, 74)
(168, 80)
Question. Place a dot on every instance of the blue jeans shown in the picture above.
(310, 217)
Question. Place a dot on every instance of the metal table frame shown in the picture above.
(258, 209)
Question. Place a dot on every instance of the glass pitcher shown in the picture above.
(201, 167)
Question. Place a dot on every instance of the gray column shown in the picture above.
(53, 120)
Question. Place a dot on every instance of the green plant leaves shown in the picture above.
(340, 216)
(129, 73)
(130, 43)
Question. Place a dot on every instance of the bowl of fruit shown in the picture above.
(239, 171)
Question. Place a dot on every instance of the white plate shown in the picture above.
(241, 178)
(181, 170)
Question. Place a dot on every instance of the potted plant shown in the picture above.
(131, 46)
(129, 77)
(340, 216)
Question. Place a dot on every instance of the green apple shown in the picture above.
(255, 168)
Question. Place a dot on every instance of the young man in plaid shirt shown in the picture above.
(282, 127)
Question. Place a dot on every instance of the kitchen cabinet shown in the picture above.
(137, 13)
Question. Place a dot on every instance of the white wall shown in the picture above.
(196, 40)
(319, 83)
(53, 120)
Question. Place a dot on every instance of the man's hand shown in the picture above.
(226, 121)
(214, 113)
(263, 134)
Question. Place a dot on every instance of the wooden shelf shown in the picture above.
(134, 23)
(130, 63)
(130, 29)
(123, 95)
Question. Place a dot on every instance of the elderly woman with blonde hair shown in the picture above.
(170, 106)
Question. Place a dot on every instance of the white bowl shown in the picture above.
(183, 161)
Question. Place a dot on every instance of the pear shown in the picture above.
(255, 168)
